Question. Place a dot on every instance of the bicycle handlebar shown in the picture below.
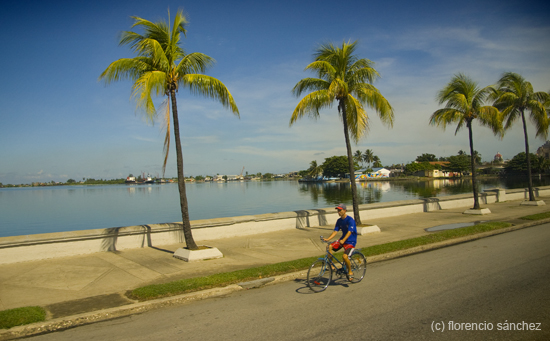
(323, 240)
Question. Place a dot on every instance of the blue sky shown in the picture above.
(58, 122)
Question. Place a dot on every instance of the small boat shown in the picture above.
(131, 180)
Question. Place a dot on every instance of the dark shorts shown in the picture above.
(348, 248)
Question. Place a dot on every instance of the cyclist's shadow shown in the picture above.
(335, 282)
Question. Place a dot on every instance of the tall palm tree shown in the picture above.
(368, 156)
(160, 68)
(346, 79)
(464, 105)
(514, 98)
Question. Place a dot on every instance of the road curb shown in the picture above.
(141, 307)
(112, 313)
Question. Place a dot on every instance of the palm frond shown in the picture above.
(153, 30)
(148, 83)
(323, 69)
(311, 104)
(370, 95)
(310, 84)
(489, 116)
(194, 63)
(210, 87)
(539, 117)
(362, 71)
(125, 69)
(445, 116)
(180, 21)
(358, 120)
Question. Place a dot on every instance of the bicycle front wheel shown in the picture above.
(319, 275)
(358, 266)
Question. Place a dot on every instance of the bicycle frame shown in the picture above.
(330, 257)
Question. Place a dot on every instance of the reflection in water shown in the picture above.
(383, 191)
(332, 193)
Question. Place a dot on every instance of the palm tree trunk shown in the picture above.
(531, 192)
(473, 166)
(351, 168)
(189, 241)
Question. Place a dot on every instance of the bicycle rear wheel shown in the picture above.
(358, 266)
(319, 275)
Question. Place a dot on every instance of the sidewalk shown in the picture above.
(81, 284)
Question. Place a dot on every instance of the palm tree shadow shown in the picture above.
(303, 221)
(111, 235)
(149, 241)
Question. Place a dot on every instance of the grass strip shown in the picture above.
(200, 283)
(433, 238)
(20, 316)
(538, 216)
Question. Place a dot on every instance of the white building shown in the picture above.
(376, 173)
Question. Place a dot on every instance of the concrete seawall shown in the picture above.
(53, 245)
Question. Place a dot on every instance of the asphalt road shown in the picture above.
(497, 283)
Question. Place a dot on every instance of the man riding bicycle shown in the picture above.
(346, 224)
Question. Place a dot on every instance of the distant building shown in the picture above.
(376, 173)
(544, 150)
(498, 158)
(438, 173)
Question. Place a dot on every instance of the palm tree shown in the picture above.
(377, 163)
(358, 157)
(368, 156)
(160, 68)
(477, 157)
(465, 104)
(314, 170)
(541, 164)
(514, 98)
(346, 79)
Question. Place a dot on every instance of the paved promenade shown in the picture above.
(74, 285)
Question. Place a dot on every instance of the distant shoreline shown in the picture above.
(346, 180)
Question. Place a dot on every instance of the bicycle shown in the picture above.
(319, 274)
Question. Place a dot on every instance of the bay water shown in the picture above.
(33, 210)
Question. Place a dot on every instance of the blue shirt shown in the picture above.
(345, 225)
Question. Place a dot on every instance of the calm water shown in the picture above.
(68, 208)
